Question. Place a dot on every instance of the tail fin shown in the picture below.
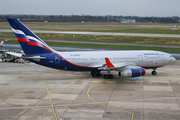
(30, 43)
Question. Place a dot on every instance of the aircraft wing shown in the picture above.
(116, 66)
(14, 54)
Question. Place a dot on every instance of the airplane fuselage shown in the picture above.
(91, 60)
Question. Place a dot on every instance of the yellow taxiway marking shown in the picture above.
(132, 114)
(50, 99)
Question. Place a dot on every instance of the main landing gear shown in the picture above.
(108, 75)
(154, 71)
(98, 74)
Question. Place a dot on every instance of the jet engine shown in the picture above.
(132, 72)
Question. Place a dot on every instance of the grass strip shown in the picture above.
(105, 38)
(100, 27)
(127, 47)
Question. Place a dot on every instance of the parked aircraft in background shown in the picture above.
(131, 63)
(1, 44)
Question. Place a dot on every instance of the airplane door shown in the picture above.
(163, 57)
(140, 58)
(57, 59)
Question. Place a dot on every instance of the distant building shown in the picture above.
(128, 21)
(174, 28)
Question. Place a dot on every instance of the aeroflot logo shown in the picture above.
(151, 53)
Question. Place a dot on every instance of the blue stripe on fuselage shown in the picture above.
(62, 64)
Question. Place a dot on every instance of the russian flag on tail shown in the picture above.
(30, 43)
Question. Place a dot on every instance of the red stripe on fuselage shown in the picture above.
(73, 63)
(22, 39)
(32, 43)
(39, 45)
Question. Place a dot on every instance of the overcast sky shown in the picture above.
(92, 7)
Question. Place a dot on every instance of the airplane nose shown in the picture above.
(172, 59)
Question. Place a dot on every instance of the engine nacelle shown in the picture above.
(133, 72)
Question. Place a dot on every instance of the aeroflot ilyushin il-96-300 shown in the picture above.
(129, 63)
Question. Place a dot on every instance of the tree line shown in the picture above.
(89, 18)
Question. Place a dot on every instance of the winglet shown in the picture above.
(108, 63)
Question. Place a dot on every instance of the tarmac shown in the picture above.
(32, 92)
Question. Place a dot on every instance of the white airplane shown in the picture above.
(131, 63)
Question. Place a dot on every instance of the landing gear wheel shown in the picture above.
(99, 74)
(119, 74)
(96, 73)
(154, 72)
(108, 76)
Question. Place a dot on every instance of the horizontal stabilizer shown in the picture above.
(34, 57)
(14, 54)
